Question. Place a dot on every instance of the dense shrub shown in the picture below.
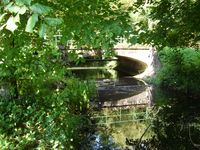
(40, 105)
(54, 123)
(180, 69)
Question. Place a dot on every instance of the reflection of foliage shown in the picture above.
(93, 74)
(77, 95)
(176, 126)
(172, 125)
(131, 124)
(106, 139)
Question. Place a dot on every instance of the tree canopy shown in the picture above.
(93, 23)
(41, 105)
(28, 27)
(173, 23)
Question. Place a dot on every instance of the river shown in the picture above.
(168, 121)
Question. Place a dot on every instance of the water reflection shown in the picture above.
(173, 124)
(121, 124)
(114, 87)
(176, 125)
(108, 69)
(98, 73)
(118, 89)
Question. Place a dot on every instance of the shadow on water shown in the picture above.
(177, 123)
(116, 89)
(173, 123)
(113, 84)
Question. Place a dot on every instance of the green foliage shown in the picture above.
(95, 23)
(108, 54)
(23, 2)
(77, 95)
(180, 69)
(42, 30)
(33, 12)
(173, 23)
(25, 125)
(31, 23)
(40, 9)
(11, 24)
(40, 106)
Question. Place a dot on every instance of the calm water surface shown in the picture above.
(172, 123)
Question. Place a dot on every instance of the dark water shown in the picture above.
(114, 69)
(172, 123)
(113, 83)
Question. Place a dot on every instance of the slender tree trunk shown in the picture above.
(14, 83)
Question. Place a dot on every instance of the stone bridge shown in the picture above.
(143, 98)
(142, 54)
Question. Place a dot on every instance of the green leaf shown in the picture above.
(53, 21)
(40, 9)
(133, 40)
(13, 9)
(31, 23)
(23, 2)
(17, 18)
(8, 6)
(23, 10)
(5, 1)
(10, 24)
(2, 16)
(42, 30)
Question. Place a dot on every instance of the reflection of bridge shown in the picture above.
(121, 116)
(144, 98)
(141, 54)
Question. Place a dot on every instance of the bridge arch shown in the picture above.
(142, 55)
(130, 66)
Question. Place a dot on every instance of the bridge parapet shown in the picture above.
(141, 55)
(145, 55)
